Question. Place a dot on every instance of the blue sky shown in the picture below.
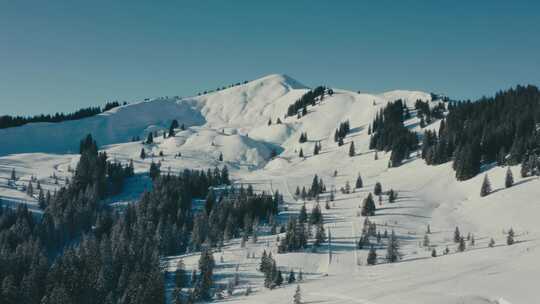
(63, 55)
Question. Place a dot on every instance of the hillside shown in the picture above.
(234, 124)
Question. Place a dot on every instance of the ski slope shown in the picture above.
(234, 123)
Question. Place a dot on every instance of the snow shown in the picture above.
(233, 122)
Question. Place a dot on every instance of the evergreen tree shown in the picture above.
(143, 154)
(434, 253)
(302, 217)
(426, 241)
(491, 243)
(180, 275)
(320, 235)
(154, 170)
(297, 298)
(509, 178)
(368, 206)
(204, 284)
(392, 250)
(30, 189)
(461, 246)
(378, 189)
(150, 138)
(392, 195)
(486, 187)
(301, 154)
(510, 237)
(174, 125)
(457, 235)
(292, 278)
(13, 175)
(359, 182)
(372, 256)
(351, 149)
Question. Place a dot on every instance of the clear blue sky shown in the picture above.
(63, 55)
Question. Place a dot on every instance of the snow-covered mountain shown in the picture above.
(234, 123)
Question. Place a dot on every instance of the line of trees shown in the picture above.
(501, 129)
(8, 121)
(388, 133)
(306, 99)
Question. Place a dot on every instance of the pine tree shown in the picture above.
(174, 125)
(368, 206)
(301, 154)
(30, 189)
(292, 278)
(509, 179)
(434, 253)
(13, 175)
(372, 256)
(278, 278)
(143, 154)
(491, 243)
(297, 298)
(461, 246)
(220, 157)
(510, 237)
(204, 284)
(320, 235)
(392, 250)
(150, 138)
(426, 241)
(392, 196)
(302, 217)
(457, 235)
(359, 182)
(486, 187)
(428, 230)
(378, 189)
(351, 149)
(180, 275)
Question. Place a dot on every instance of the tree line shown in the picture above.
(8, 121)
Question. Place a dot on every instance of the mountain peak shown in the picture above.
(282, 79)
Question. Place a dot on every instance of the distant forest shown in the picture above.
(502, 129)
(7, 121)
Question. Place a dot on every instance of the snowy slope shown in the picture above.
(234, 123)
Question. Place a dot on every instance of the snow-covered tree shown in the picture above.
(425, 243)
(457, 235)
(297, 298)
(461, 246)
(510, 237)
